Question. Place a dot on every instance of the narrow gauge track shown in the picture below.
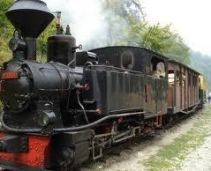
(149, 138)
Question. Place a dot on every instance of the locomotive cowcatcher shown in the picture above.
(58, 114)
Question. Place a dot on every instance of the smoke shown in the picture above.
(88, 21)
(85, 18)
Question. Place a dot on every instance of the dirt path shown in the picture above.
(131, 160)
(199, 160)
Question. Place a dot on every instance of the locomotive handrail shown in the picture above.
(80, 128)
(67, 129)
(118, 69)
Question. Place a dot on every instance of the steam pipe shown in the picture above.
(79, 128)
(82, 107)
(58, 21)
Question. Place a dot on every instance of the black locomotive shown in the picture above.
(59, 113)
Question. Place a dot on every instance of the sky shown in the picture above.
(84, 17)
(189, 18)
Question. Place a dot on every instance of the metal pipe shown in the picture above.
(30, 52)
(82, 107)
(79, 128)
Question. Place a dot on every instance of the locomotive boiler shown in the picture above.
(58, 114)
(38, 97)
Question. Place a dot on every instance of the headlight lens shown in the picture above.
(17, 44)
(46, 118)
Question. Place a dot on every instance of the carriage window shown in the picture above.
(158, 68)
(127, 60)
(171, 77)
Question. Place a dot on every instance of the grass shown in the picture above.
(171, 156)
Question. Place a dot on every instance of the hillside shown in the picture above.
(201, 63)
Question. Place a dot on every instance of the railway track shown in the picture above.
(128, 146)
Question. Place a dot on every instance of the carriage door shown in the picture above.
(158, 67)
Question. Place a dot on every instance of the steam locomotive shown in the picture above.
(58, 114)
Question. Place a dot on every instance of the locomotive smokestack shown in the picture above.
(30, 17)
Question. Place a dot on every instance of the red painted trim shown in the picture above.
(9, 75)
(35, 157)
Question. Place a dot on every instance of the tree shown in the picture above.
(120, 15)
(7, 29)
(159, 39)
(42, 41)
(152, 37)
(178, 49)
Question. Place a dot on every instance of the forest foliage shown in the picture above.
(6, 30)
(136, 31)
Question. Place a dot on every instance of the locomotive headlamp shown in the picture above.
(17, 44)
(46, 118)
